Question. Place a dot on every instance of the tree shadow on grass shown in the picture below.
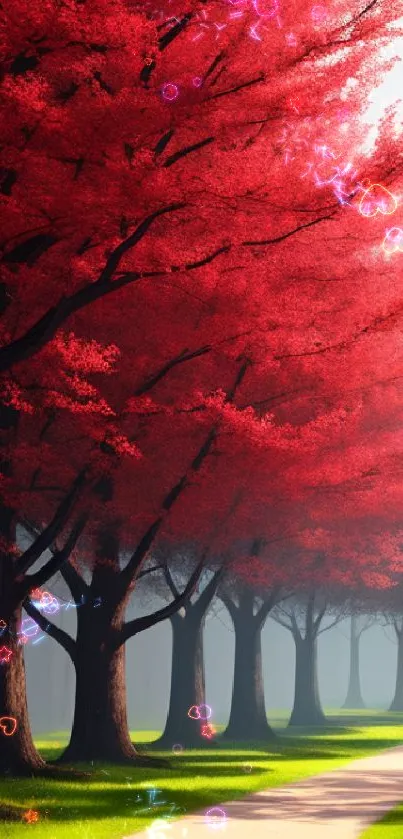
(364, 796)
(69, 804)
(361, 794)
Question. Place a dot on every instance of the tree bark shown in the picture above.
(248, 720)
(307, 710)
(18, 755)
(397, 703)
(100, 730)
(354, 697)
(187, 680)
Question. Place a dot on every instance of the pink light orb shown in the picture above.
(205, 712)
(319, 14)
(170, 91)
(216, 818)
(265, 8)
(393, 240)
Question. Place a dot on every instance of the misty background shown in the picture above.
(51, 679)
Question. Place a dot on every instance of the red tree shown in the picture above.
(108, 176)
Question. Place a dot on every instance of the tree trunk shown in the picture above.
(354, 697)
(397, 703)
(187, 680)
(18, 755)
(307, 710)
(248, 721)
(100, 730)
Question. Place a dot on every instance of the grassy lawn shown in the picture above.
(107, 805)
(391, 827)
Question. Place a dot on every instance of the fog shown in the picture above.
(50, 674)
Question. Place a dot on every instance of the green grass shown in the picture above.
(104, 806)
(390, 827)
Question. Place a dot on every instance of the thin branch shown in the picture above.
(283, 623)
(318, 620)
(287, 235)
(184, 356)
(147, 571)
(259, 79)
(268, 605)
(169, 581)
(331, 625)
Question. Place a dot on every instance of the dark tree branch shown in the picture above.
(58, 559)
(318, 620)
(45, 328)
(290, 233)
(128, 573)
(134, 563)
(210, 590)
(229, 604)
(184, 356)
(331, 625)
(147, 571)
(119, 252)
(268, 605)
(169, 581)
(163, 142)
(74, 580)
(239, 87)
(137, 625)
(187, 150)
(46, 538)
(63, 638)
(282, 622)
(173, 33)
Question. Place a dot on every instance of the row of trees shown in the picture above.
(193, 363)
(305, 614)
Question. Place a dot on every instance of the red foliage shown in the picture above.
(156, 244)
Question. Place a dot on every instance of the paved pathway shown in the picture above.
(337, 805)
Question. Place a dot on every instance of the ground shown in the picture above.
(108, 805)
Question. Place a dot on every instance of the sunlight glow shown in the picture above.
(386, 95)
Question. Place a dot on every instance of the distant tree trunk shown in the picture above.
(397, 703)
(307, 709)
(187, 679)
(354, 697)
(248, 720)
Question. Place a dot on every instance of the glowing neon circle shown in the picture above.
(170, 91)
(393, 240)
(216, 818)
